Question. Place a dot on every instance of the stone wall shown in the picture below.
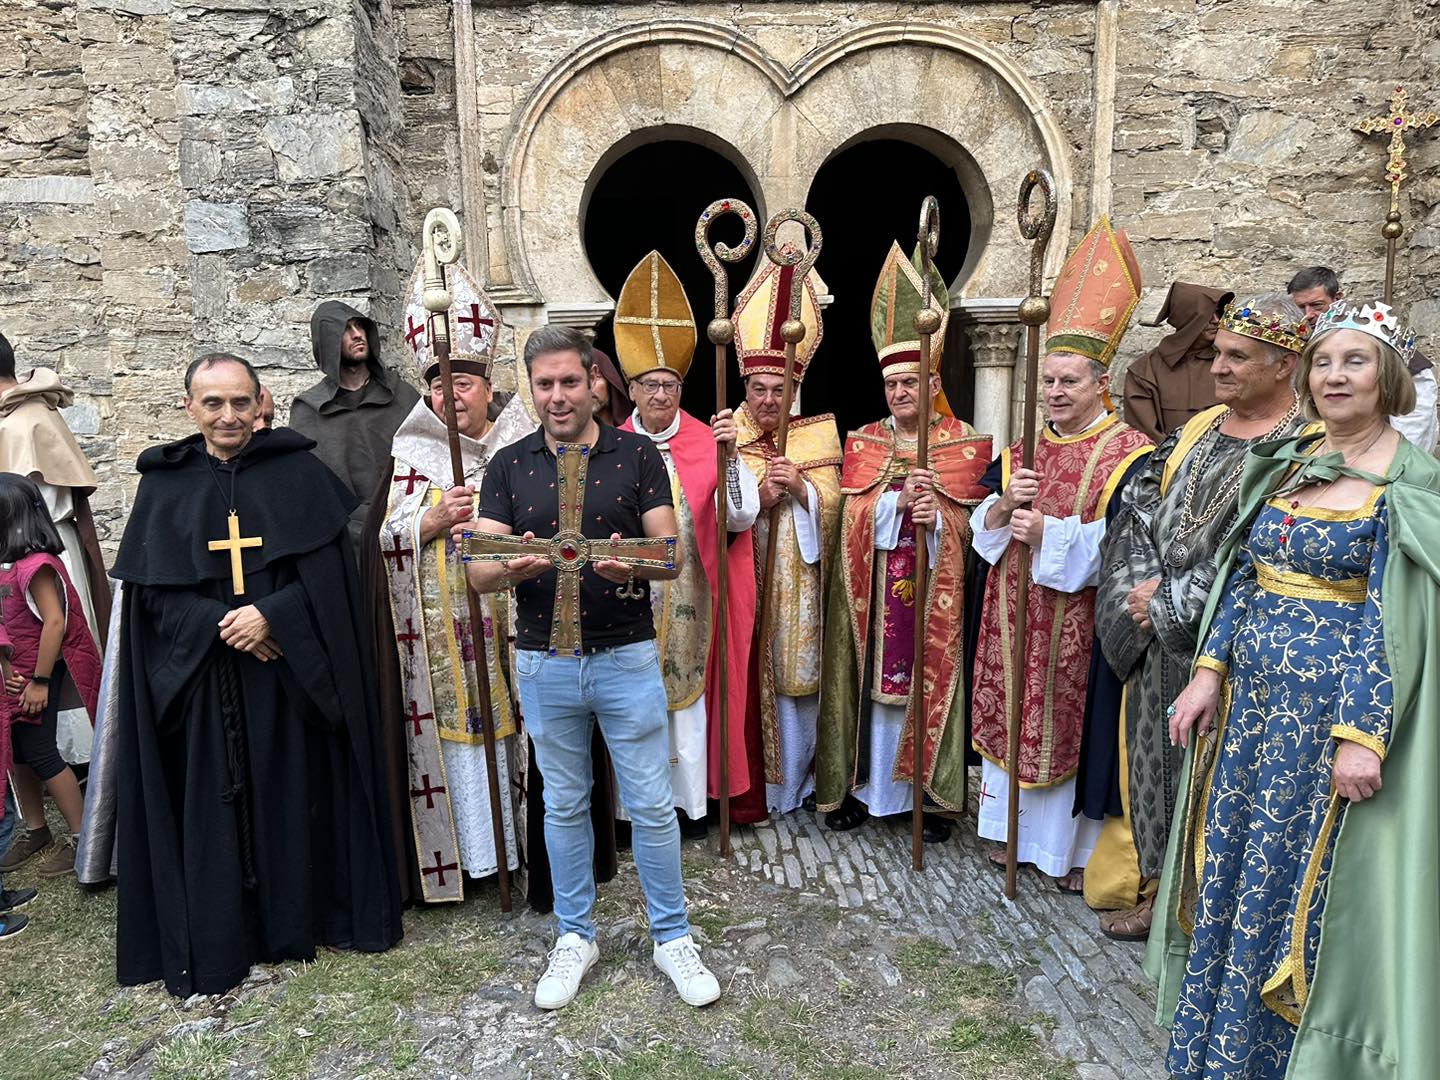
(1234, 161)
(51, 295)
(179, 175)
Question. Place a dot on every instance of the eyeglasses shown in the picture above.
(656, 387)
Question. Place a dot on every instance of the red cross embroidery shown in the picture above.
(429, 792)
(985, 793)
(408, 639)
(475, 320)
(415, 716)
(411, 480)
(439, 869)
(399, 555)
(413, 334)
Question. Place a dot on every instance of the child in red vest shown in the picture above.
(55, 662)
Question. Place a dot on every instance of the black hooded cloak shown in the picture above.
(352, 429)
(253, 824)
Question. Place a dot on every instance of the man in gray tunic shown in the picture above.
(1158, 561)
(353, 412)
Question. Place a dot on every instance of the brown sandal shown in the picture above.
(1130, 925)
(1073, 883)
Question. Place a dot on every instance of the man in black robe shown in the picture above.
(253, 823)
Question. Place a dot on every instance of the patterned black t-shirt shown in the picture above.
(626, 477)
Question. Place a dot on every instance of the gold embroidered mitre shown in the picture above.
(654, 326)
(1095, 296)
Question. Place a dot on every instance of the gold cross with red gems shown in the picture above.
(1400, 121)
(569, 550)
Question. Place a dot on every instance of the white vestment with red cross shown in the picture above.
(449, 795)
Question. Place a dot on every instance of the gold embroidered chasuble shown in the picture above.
(683, 615)
(434, 638)
(1079, 474)
(791, 665)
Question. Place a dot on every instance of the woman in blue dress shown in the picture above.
(1292, 703)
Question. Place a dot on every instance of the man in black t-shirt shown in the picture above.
(616, 679)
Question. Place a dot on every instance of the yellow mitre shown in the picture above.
(654, 326)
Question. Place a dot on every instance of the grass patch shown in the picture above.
(661, 1063)
(193, 1057)
(948, 983)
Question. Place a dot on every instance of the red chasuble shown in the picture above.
(693, 450)
(874, 464)
(1078, 475)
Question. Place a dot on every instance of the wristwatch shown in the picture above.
(40, 680)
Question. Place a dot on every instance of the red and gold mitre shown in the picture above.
(472, 320)
(1097, 293)
(761, 309)
(897, 300)
(654, 326)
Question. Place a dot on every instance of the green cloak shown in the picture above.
(1374, 1005)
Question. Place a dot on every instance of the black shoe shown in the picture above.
(15, 899)
(692, 828)
(934, 829)
(851, 815)
(11, 925)
(808, 803)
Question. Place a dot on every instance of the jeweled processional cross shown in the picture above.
(1400, 121)
(569, 550)
(235, 544)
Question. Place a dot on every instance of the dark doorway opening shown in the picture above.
(649, 199)
(865, 197)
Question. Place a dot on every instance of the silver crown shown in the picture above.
(1378, 320)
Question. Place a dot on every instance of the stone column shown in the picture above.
(993, 329)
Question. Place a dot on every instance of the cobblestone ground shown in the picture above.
(1102, 1005)
(838, 962)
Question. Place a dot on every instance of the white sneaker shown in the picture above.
(571, 958)
(680, 959)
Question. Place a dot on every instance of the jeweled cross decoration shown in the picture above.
(1400, 121)
(235, 544)
(654, 321)
(569, 550)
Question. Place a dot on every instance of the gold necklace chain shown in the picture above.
(1189, 521)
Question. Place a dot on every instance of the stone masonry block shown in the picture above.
(215, 226)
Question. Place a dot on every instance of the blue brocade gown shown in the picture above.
(1298, 633)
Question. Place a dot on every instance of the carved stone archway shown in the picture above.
(783, 122)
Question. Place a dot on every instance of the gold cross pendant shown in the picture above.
(234, 544)
(569, 551)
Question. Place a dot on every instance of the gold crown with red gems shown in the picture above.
(1377, 320)
(1267, 326)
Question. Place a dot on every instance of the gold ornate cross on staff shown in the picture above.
(234, 545)
(1400, 121)
(570, 551)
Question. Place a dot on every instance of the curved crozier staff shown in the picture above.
(1034, 310)
(792, 332)
(442, 240)
(927, 321)
(721, 333)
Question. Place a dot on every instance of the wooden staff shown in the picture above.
(721, 333)
(1034, 310)
(927, 321)
(792, 332)
(442, 239)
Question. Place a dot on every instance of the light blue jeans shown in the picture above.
(7, 824)
(622, 688)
